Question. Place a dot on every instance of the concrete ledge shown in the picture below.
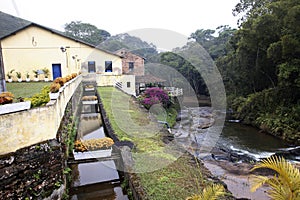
(25, 128)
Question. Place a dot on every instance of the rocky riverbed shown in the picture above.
(231, 168)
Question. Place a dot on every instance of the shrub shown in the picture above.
(41, 98)
(155, 96)
(54, 87)
(74, 75)
(89, 98)
(6, 98)
(93, 144)
(60, 81)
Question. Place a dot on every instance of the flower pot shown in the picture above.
(36, 79)
(27, 79)
(9, 80)
(89, 102)
(46, 79)
(92, 154)
(14, 107)
(19, 80)
(53, 96)
(89, 89)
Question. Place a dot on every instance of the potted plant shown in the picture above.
(54, 90)
(19, 76)
(93, 148)
(27, 77)
(7, 105)
(89, 100)
(36, 75)
(6, 97)
(46, 74)
(9, 75)
(61, 81)
(89, 88)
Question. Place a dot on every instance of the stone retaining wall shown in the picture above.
(33, 172)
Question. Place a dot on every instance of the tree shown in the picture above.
(86, 32)
(186, 69)
(132, 43)
(284, 185)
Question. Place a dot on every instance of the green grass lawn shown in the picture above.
(178, 177)
(25, 89)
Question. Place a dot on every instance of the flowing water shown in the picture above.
(94, 177)
(250, 141)
(237, 147)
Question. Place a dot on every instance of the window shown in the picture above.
(128, 84)
(108, 66)
(131, 66)
(91, 66)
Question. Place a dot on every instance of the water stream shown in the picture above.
(250, 141)
(98, 178)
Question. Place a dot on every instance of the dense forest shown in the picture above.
(259, 62)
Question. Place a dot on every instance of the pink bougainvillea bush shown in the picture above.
(153, 96)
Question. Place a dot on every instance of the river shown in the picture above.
(237, 149)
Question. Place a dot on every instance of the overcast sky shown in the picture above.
(119, 16)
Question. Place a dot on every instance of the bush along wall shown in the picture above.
(34, 172)
(272, 111)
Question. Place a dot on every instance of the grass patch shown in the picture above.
(24, 89)
(129, 121)
(180, 177)
(178, 180)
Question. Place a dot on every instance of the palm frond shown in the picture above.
(257, 182)
(285, 184)
(212, 192)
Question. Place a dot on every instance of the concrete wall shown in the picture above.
(22, 129)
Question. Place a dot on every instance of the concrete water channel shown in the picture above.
(94, 176)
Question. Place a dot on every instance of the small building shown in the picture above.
(131, 63)
(27, 46)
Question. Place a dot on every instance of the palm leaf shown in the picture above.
(212, 192)
(285, 185)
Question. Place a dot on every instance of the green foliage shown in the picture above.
(9, 74)
(284, 185)
(86, 32)
(212, 192)
(41, 98)
(132, 43)
(272, 110)
(46, 72)
(186, 69)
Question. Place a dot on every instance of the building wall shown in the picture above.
(22, 129)
(36, 48)
(123, 80)
(100, 57)
(139, 68)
